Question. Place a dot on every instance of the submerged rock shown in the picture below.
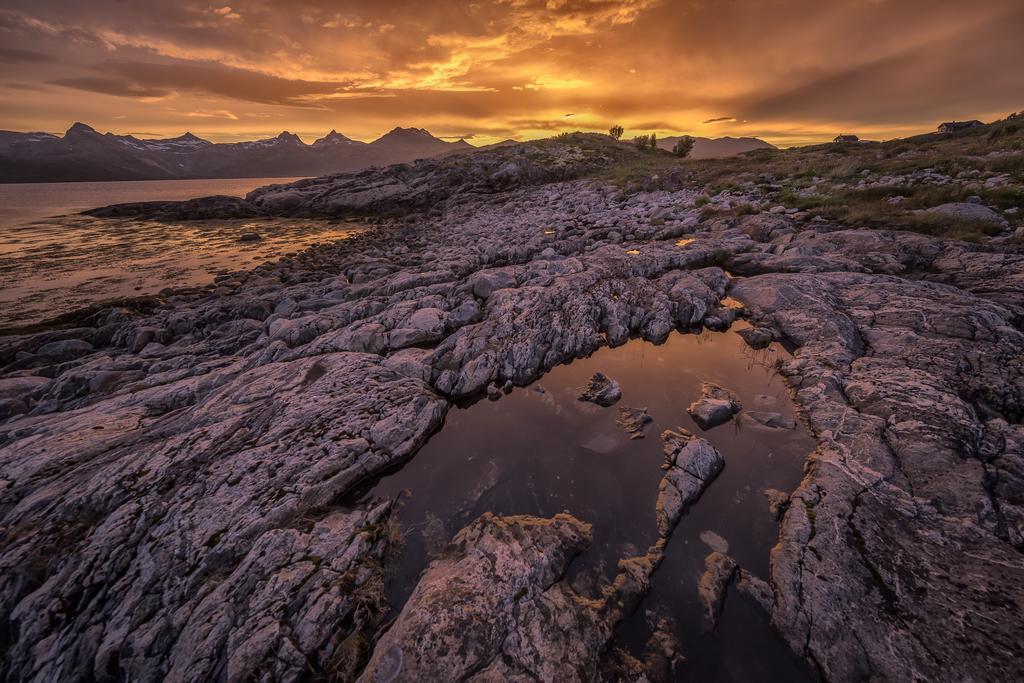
(769, 419)
(778, 501)
(715, 406)
(714, 541)
(719, 570)
(601, 390)
(634, 420)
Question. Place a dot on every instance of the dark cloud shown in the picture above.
(787, 69)
(12, 55)
(179, 75)
(110, 86)
(959, 75)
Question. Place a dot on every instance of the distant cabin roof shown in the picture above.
(954, 125)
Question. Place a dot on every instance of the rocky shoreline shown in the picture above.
(173, 481)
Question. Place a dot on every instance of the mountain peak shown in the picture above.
(290, 138)
(400, 135)
(334, 138)
(79, 127)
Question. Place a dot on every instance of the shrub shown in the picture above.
(641, 142)
(683, 147)
(616, 132)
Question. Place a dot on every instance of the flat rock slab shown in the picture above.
(769, 419)
(691, 464)
(714, 407)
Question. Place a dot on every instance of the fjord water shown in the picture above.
(65, 261)
(23, 203)
(540, 451)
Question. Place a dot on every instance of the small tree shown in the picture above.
(641, 142)
(654, 141)
(616, 132)
(683, 147)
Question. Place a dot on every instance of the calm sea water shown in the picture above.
(22, 203)
(53, 260)
(543, 452)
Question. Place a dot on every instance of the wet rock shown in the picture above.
(663, 653)
(778, 501)
(493, 606)
(754, 589)
(757, 337)
(769, 419)
(634, 420)
(250, 237)
(715, 406)
(203, 208)
(719, 571)
(601, 390)
(714, 541)
(691, 464)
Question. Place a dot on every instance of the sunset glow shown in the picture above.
(788, 71)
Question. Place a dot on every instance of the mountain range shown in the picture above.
(717, 148)
(83, 154)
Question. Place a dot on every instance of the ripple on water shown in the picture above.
(60, 264)
(540, 451)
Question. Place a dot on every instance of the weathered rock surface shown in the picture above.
(601, 390)
(910, 512)
(691, 464)
(715, 406)
(493, 606)
(172, 479)
(208, 491)
(719, 570)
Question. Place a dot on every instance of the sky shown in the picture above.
(788, 71)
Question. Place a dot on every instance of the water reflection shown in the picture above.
(56, 265)
(540, 451)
